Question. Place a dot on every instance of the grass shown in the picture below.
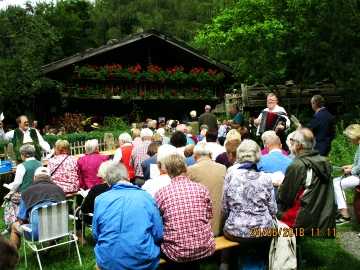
(320, 253)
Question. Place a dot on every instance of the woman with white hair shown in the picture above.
(123, 153)
(89, 164)
(248, 201)
(194, 118)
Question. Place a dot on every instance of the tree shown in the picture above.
(24, 41)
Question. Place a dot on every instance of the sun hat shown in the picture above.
(95, 125)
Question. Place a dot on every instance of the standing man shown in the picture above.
(272, 106)
(127, 227)
(24, 135)
(238, 120)
(208, 118)
(322, 125)
(307, 193)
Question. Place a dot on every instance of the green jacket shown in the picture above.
(308, 204)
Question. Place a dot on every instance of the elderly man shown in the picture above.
(139, 154)
(272, 106)
(154, 184)
(208, 118)
(307, 193)
(42, 192)
(211, 175)
(186, 210)
(24, 135)
(322, 125)
(238, 120)
(127, 227)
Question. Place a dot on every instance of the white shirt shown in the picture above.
(20, 172)
(215, 149)
(118, 153)
(8, 136)
(275, 110)
(153, 185)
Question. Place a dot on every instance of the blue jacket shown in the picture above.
(323, 127)
(127, 229)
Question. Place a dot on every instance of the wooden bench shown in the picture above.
(220, 243)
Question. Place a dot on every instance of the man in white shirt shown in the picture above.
(24, 135)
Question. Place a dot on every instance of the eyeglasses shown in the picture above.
(292, 140)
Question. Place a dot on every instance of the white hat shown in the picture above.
(161, 131)
(95, 125)
(42, 170)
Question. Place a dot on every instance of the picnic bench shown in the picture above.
(220, 243)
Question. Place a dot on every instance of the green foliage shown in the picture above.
(115, 123)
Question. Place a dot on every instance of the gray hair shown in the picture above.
(125, 137)
(175, 165)
(146, 134)
(202, 149)
(273, 140)
(306, 138)
(103, 168)
(91, 145)
(180, 127)
(248, 151)
(28, 150)
(318, 100)
(267, 134)
(235, 106)
(193, 113)
(165, 151)
(204, 127)
(116, 172)
(207, 108)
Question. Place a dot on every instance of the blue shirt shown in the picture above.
(24, 215)
(221, 131)
(274, 162)
(127, 229)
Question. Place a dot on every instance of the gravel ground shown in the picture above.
(349, 240)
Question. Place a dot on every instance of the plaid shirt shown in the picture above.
(186, 209)
(138, 155)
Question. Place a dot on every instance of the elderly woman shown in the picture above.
(88, 204)
(350, 179)
(248, 201)
(194, 118)
(89, 164)
(123, 153)
(64, 168)
(24, 178)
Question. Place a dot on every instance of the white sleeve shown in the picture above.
(117, 155)
(7, 137)
(44, 145)
(20, 172)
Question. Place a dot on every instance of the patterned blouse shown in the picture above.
(248, 202)
(66, 175)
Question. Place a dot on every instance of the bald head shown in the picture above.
(272, 142)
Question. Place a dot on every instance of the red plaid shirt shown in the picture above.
(186, 208)
(138, 155)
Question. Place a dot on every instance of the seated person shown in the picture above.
(89, 164)
(186, 210)
(123, 153)
(24, 178)
(88, 204)
(211, 140)
(145, 165)
(251, 206)
(42, 192)
(9, 255)
(350, 178)
(223, 157)
(154, 184)
(231, 147)
(189, 155)
(308, 183)
(264, 136)
(63, 168)
(127, 227)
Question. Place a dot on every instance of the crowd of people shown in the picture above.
(167, 195)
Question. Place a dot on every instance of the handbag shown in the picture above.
(58, 166)
(357, 202)
(282, 253)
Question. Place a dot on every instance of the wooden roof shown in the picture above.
(148, 47)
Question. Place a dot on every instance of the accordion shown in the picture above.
(270, 120)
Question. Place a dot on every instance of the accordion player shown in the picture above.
(270, 120)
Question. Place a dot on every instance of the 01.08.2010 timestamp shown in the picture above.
(323, 232)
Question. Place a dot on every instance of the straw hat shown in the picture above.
(95, 125)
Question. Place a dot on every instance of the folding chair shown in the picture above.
(84, 224)
(53, 224)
